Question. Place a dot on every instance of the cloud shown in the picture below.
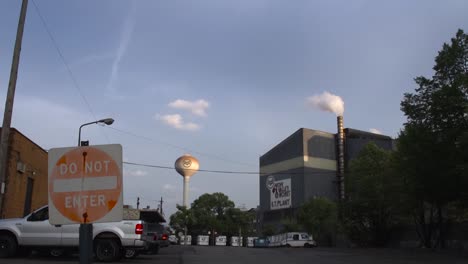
(169, 187)
(176, 121)
(375, 131)
(327, 102)
(52, 124)
(125, 38)
(92, 58)
(137, 173)
(198, 107)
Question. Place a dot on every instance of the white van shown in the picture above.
(298, 239)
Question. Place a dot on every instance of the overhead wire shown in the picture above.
(88, 105)
(226, 171)
(81, 93)
(213, 156)
(64, 61)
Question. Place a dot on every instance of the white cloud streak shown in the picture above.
(198, 107)
(176, 121)
(327, 102)
(375, 131)
(135, 172)
(125, 38)
(92, 58)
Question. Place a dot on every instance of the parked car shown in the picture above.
(298, 239)
(173, 240)
(161, 233)
(163, 240)
(261, 242)
(110, 240)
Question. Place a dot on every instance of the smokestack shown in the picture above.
(333, 103)
(340, 159)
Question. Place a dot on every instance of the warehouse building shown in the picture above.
(25, 186)
(308, 164)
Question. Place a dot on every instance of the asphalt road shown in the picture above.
(230, 255)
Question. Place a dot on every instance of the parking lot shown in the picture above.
(227, 255)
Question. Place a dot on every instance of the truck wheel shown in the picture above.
(8, 246)
(130, 253)
(107, 250)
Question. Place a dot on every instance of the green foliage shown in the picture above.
(209, 211)
(433, 146)
(290, 225)
(181, 219)
(237, 221)
(213, 212)
(268, 230)
(373, 197)
(319, 218)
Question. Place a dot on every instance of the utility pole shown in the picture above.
(9, 102)
(138, 203)
(160, 206)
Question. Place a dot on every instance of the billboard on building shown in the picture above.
(280, 193)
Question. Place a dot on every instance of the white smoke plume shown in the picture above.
(327, 102)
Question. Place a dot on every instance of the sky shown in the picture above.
(224, 81)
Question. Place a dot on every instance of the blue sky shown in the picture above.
(244, 70)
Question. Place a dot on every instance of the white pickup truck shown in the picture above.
(111, 240)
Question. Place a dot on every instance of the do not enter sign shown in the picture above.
(85, 184)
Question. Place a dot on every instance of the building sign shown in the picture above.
(280, 194)
(270, 182)
(85, 184)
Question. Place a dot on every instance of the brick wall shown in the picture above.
(25, 151)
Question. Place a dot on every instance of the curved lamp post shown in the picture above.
(86, 230)
(107, 121)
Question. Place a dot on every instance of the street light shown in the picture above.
(86, 230)
(107, 121)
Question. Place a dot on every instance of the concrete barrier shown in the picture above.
(221, 241)
(203, 240)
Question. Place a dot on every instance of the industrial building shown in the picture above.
(308, 164)
(25, 186)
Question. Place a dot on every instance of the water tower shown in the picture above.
(186, 166)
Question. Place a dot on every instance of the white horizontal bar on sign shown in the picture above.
(88, 183)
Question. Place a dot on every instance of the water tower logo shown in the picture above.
(186, 163)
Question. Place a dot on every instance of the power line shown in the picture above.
(227, 172)
(180, 147)
(70, 73)
(77, 87)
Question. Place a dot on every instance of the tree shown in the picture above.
(182, 219)
(433, 146)
(209, 211)
(213, 213)
(373, 195)
(238, 221)
(319, 218)
(268, 230)
(290, 225)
